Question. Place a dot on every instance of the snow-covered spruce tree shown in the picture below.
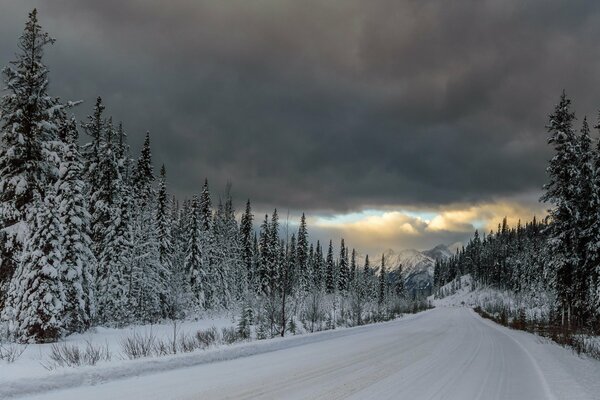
(593, 246)
(329, 271)
(28, 162)
(585, 268)
(358, 293)
(163, 222)
(561, 192)
(382, 283)
(302, 272)
(35, 306)
(76, 256)
(353, 266)
(117, 260)
(163, 235)
(147, 283)
(228, 274)
(207, 243)
(275, 256)
(369, 274)
(344, 272)
(106, 216)
(193, 263)
(265, 250)
(235, 251)
(310, 268)
(98, 196)
(246, 239)
(319, 268)
(272, 258)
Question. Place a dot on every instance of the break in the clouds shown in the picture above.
(332, 107)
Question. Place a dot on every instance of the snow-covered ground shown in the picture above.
(464, 292)
(35, 359)
(444, 353)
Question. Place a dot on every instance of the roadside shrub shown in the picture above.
(94, 354)
(163, 348)
(207, 337)
(187, 343)
(230, 335)
(71, 355)
(11, 352)
(138, 345)
(65, 355)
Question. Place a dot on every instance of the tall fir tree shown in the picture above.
(35, 307)
(319, 268)
(301, 266)
(344, 272)
(76, 255)
(147, 282)
(193, 263)
(265, 255)
(561, 191)
(382, 282)
(28, 132)
(164, 222)
(329, 271)
(246, 238)
(164, 237)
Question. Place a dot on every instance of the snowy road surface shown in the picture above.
(446, 353)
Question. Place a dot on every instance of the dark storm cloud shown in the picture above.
(330, 105)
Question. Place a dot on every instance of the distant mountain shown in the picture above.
(439, 252)
(417, 266)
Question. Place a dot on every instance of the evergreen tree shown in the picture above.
(163, 223)
(561, 191)
(265, 256)
(193, 254)
(593, 229)
(114, 302)
(329, 271)
(319, 268)
(76, 255)
(106, 216)
(228, 273)
(207, 241)
(164, 237)
(98, 199)
(353, 266)
(382, 282)
(28, 131)
(275, 258)
(246, 238)
(343, 271)
(367, 276)
(147, 275)
(585, 268)
(35, 307)
(301, 267)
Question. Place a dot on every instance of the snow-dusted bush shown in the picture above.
(138, 345)
(164, 347)
(187, 343)
(207, 337)
(229, 335)
(71, 355)
(313, 313)
(10, 352)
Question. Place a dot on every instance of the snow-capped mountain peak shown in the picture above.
(417, 266)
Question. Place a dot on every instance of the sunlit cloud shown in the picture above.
(376, 230)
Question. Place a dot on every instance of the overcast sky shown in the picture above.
(393, 123)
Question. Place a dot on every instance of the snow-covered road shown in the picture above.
(445, 353)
